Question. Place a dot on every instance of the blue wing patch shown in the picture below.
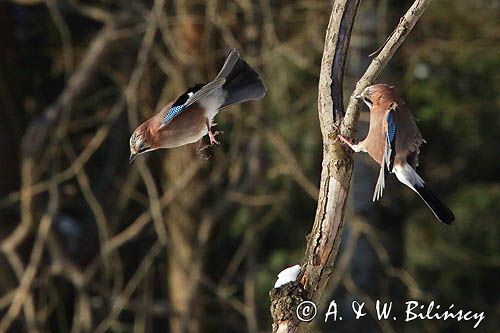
(389, 155)
(391, 127)
(174, 111)
(178, 105)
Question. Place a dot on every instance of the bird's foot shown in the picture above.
(204, 150)
(212, 135)
(349, 142)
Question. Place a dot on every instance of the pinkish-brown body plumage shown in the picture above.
(186, 128)
(393, 141)
(408, 139)
(189, 118)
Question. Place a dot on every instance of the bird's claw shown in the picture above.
(204, 149)
(343, 139)
(201, 152)
(212, 135)
(346, 141)
(336, 128)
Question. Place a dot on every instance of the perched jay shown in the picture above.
(190, 117)
(393, 141)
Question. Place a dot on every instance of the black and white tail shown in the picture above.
(242, 82)
(443, 213)
(410, 178)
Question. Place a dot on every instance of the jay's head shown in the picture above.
(378, 94)
(139, 142)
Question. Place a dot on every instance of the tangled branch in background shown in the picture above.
(97, 245)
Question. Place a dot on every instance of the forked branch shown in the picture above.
(324, 239)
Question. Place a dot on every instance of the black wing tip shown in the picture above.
(185, 96)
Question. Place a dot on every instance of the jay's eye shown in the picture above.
(141, 147)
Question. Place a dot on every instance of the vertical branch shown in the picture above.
(323, 242)
(335, 69)
(337, 166)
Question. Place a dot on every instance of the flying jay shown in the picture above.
(393, 141)
(189, 118)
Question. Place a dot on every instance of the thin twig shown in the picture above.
(397, 37)
(121, 300)
(22, 291)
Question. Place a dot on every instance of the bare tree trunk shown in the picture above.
(364, 274)
(324, 240)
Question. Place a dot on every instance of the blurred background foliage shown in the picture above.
(235, 221)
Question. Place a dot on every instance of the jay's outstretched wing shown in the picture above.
(191, 96)
(389, 151)
(236, 83)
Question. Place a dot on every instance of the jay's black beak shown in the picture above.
(132, 158)
(358, 97)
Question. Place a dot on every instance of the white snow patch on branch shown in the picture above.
(287, 275)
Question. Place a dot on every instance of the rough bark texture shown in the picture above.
(365, 275)
(337, 166)
(282, 301)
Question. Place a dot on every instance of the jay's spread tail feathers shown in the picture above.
(242, 82)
